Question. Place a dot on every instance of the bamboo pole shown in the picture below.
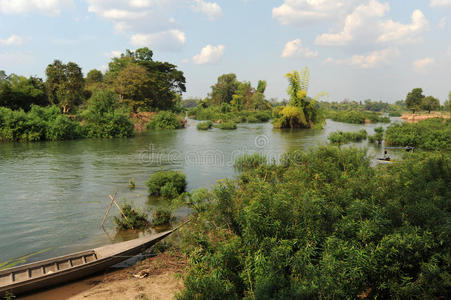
(109, 208)
(120, 209)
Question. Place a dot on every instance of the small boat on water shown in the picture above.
(74, 266)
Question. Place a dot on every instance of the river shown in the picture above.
(53, 195)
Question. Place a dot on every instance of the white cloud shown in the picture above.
(366, 26)
(209, 55)
(145, 22)
(52, 7)
(113, 53)
(293, 12)
(371, 60)
(422, 64)
(356, 24)
(166, 40)
(393, 31)
(295, 49)
(438, 3)
(211, 9)
(442, 24)
(13, 40)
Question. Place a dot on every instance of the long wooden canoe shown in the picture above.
(66, 268)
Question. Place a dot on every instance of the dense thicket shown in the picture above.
(39, 124)
(431, 134)
(356, 117)
(342, 137)
(323, 225)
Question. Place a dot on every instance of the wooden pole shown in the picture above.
(109, 207)
(120, 209)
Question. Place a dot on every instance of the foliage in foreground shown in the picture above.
(134, 218)
(168, 184)
(341, 137)
(324, 224)
(161, 216)
(430, 134)
(165, 120)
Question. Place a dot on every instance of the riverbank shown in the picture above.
(413, 118)
(161, 280)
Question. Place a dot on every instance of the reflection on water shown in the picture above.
(53, 195)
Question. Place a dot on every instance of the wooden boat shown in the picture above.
(66, 268)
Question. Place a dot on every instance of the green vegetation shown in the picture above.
(161, 216)
(204, 125)
(38, 124)
(324, 224)
(430, 134)
(165, 120)
(226, 125)
(168, 184)
(302, 111)
(247, 162)
(378, 136)
(356, 117)
(131, 218)
(340, 137)
(104, 117)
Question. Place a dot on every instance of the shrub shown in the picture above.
(226, 125)
(161, 216)
(165, 120)
(134, 218)
(340, 137)
(325, 225)
(39, 124)
(104, 118)
(378, 136)
(204, 125)
(247, 162)
(430, 134)
(168, 184)
(356, 117)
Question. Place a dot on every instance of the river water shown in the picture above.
(53, 195)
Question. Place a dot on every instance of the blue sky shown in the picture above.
(355, 49)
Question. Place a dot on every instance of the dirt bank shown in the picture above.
(419, 117)
(161, 281)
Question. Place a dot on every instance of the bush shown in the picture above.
(104, 118)
(226, 125)
(247, 162)
(340, 137)
(165, 120)
(204, 125)
(430, 134)
(39, 124)
(324, 224)
(378, 136)
(356, 117)
(168, 184)
(161, 216)
(134, 218)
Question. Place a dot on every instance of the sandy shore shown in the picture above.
(419, 117)
(161, 281)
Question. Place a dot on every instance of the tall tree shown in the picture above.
(134, 86)
(224, 89)
(430, 103)
(19, 92)
(167, 81)
(414, 99)
(65, 84)
(94, 76)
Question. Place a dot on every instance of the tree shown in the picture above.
(447, 104)
(19, 92)
(167, 81)
(414, 99)
(224, 89)
(94, 76)
(64, 84)
(133, 85)
(430, 103)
